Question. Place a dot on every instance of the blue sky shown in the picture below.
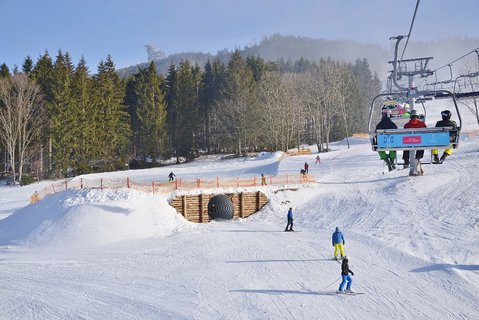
(96, 28)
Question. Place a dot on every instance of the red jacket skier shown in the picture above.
(414, 122)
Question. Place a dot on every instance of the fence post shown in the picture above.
(128, 182)
(53, 187)
(237, 183)
(287, 180)
(101, 183)
(66, 184)
(270, 179)
(81, 183)
(153, 187)
(176, 184)
(217, 182)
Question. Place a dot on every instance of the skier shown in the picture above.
(306, 167)
(35, 197)
(386, 123)
(289, 226)
(318, 159)
(338, 243)
(345, 271)
(263, 180)
(171, 176)
(445, 122)
(303, 175)
(414, 122)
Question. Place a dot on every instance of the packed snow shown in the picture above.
(123, 254)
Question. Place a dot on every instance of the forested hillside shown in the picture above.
(90, 123)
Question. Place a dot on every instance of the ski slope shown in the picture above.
(121, 254)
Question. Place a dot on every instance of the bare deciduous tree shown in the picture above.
(21, 118)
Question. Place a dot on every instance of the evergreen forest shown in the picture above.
(59, 120)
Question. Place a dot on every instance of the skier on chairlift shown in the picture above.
(445, 122)
(386, 123)
(414, 122)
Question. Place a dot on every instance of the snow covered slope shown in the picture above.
(119, 254)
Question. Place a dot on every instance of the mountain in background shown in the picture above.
(293, 48)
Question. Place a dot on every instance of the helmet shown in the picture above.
(446, 115)
(413, 114)
(337, 228)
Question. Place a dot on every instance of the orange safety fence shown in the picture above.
(170, 186)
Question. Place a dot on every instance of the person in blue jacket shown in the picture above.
(289, 226)
(338, 243)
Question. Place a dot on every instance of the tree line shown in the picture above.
(75, 122)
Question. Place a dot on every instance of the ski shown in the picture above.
(352, 293)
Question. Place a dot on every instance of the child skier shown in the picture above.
(345, 271)
(338, 243)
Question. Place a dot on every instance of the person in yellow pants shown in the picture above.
(445, 122)
(338, 243)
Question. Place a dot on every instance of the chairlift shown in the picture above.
(413, 138)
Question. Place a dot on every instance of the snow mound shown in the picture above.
(85, 218)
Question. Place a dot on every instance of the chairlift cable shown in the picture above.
(410, 29)
(463, 56)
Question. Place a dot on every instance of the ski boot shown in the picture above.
(406, 164)
(435, 159)
(390, 164)
(443, 157)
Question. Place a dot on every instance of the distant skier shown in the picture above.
(35, 197)
(318, 159)
(306, 167)
(263, 180)
(303, 175)
(386, 123)
(171, 176)
(289, 226)
(445, 122)
(345, 271)
(338, 243)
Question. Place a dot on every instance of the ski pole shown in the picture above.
(333, 283)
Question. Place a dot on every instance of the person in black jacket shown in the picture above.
(345, 271)
(445, 122)
(386, 123)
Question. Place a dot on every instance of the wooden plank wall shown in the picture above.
(195, 207)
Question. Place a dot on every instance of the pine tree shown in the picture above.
(62, 114)
(27, 65)
(82, 127)
(187, 112)
(151, 114)
(171, 107)
(238, 105)
(4, 71)
(112, 129)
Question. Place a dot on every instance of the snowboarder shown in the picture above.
(289, 226)
(318, 159)
(345, 271)
(171, 176)
(386, 123)
(306, 167)
(338, 243)
(414, 122)
(263, 180)
(445, 122)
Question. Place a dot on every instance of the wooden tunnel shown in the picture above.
(195, 207)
